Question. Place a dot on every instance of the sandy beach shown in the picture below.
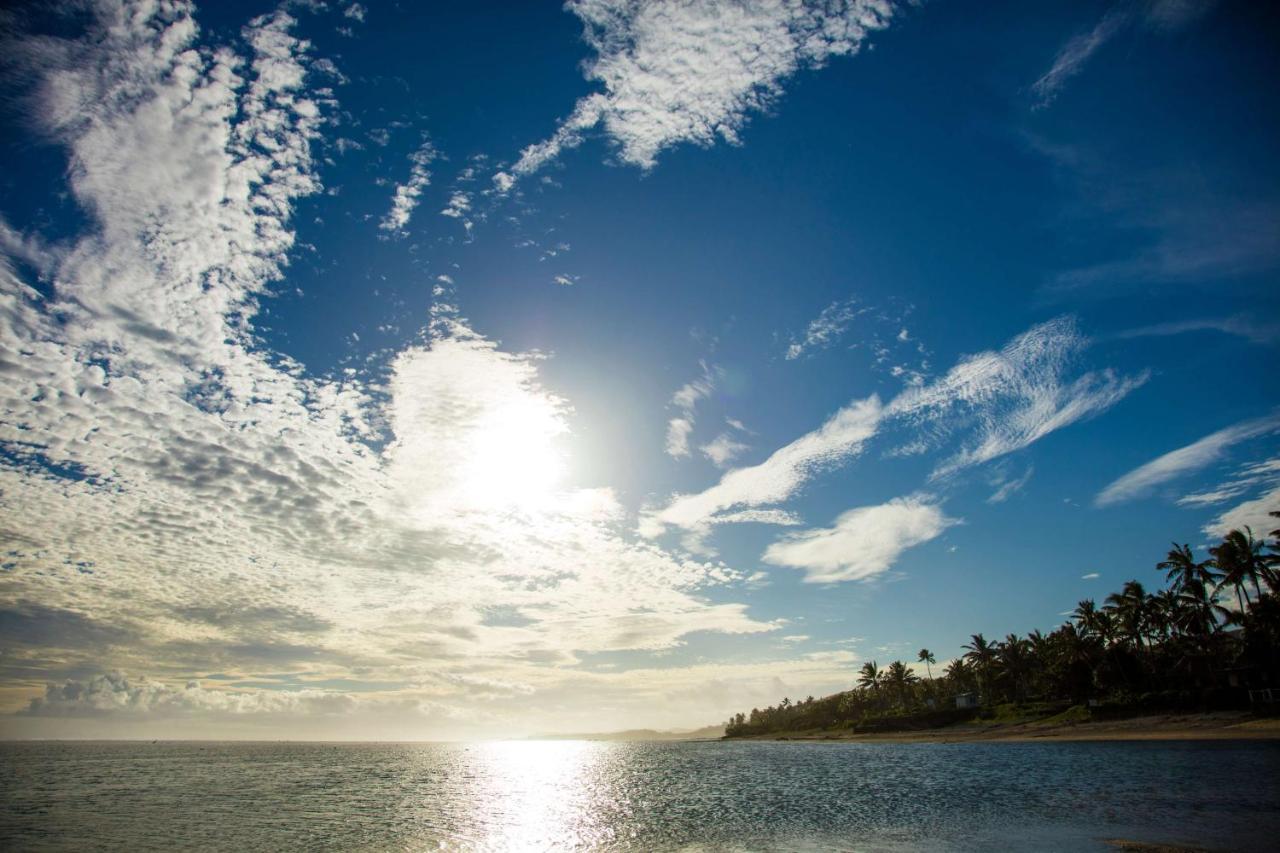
(1215, 726)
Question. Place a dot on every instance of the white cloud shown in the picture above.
(355, 12)
(778, 477)
(1245, 479)
(759, 516)
(1185, 460)
(1012, 398)
(1091, 576)
(678, 431)
(1262, 479)
(659, 697)
(1255, 514)
(114, 693)
(723, 449)
(824, 329)
(503, 182)
(163, 469)
(863, 543)
(676, 72)
(459, 205)
(407, 194)
(685, 400)
(995, 402)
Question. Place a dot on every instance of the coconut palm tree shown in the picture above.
(1086, 617)
(870, 677)
(1015, 659)
(959, 673)
(899, 680)
(1182, 568)
(1106, 627)
(926, 657)
(1130, 608)
(981, 654)
(1240, 560)
(1199, 612)
(1273, 559)
(1163, 610)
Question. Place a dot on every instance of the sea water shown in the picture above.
(551, 795)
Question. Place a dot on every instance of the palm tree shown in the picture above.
(1015, 660)
(926, 657)
(1181, 568)
(959, 673)
(1199, 611)
(1163, 608)
(899, 679)
(1076, 652)
(1106, 627)
(1273, 559)
(981, 654)
(870, 677)
(1086, 617)
(1130, 606)
(1241, 561)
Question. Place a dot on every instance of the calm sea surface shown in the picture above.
(636, 796)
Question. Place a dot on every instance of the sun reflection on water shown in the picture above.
(541, 795)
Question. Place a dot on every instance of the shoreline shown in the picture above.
(1155, 727)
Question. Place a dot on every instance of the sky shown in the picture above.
(434, 371)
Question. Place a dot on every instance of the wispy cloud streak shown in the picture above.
(994, 403)
(406, 195)
(1071, 59)
(1193, 457)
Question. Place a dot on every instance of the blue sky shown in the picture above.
(441, 372)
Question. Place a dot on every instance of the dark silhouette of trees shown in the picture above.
(1178, 647)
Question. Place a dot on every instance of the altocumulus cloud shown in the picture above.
(675, 72)
(165, 468)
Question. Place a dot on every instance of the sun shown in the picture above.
(512, 458)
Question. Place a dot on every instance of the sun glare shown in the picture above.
(542, 794)
(512, 459)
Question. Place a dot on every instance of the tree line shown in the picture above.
(1181, 646)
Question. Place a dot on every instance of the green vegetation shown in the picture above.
(1175, 649)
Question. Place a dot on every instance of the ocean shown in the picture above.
(581, 795)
